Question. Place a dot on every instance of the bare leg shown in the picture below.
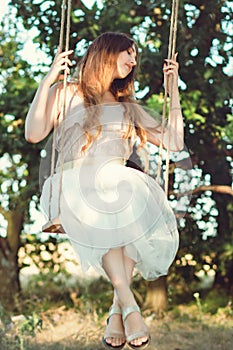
(129, 267)
(119, 269)
(115, 322)
(113, 264)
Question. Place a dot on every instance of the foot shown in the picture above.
(115, 334)
(135, 329)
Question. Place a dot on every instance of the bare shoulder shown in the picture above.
(69, 95)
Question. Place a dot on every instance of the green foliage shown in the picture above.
(205, 50)
(18, 177)
(46, 256)
(27, 327)
(24, 329)
(229, 128)
(155, 102)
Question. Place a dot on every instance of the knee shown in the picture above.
(119, 282)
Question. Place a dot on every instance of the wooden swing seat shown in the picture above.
(53, 226)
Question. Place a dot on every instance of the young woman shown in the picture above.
(116, 217)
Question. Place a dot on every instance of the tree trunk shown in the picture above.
(224, 219)
(9, 271)
(156, 297)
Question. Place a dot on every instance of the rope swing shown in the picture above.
(53, 225)
(171, 54)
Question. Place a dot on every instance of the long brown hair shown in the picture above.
(94, 77)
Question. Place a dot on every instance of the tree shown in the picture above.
(206, 49)
(18, 176)
(204, 45)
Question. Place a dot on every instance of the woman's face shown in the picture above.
(125, 63)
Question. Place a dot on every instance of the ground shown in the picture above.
(55, 314)
(186, 328)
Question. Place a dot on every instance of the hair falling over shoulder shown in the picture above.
(94, 77)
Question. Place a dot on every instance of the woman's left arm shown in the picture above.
(174, 134)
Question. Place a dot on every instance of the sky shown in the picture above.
(31, 52)
(3, 7)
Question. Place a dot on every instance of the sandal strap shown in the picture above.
(129, 310)
(139, 334)
(114, 334)
(114, 310)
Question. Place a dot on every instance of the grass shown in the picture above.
(54, 317)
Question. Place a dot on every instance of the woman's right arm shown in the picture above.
(44, 107)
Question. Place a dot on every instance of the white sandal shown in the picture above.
(112, 311)
(140, 334)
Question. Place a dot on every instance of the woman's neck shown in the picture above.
(108, 97)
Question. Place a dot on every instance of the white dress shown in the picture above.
(104, 204)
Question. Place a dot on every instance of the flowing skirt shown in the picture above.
(105, 205)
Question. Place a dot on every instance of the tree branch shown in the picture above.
(214, 188)
(3, 211)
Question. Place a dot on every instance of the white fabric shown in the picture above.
(105, 204)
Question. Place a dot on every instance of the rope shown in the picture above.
(63, 111)
(64, 106)
(171, 53)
